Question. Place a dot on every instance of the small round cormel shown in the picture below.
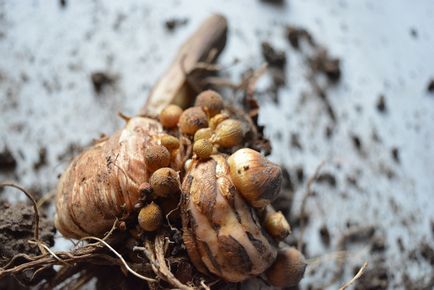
(276, 225)
(229, 133)
(170, 115)
(170, 142)
(165, 181)
(288, 268)
(156, 157)
(204, 133)
(217, 119)
(150, 217)
(210, 101)
(257, 179)
(203, 149)
(192, 120)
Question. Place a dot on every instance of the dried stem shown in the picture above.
(121, 258)
(357, 276)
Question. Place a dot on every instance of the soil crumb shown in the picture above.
(381, 104)
(274, 57)
(8, 162)
(17, 228)
(430, 87)
(296, 35)
(174, 23)
(42, 160)
(101, 80)
(274, 2)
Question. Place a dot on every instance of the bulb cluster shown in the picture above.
(229, 227)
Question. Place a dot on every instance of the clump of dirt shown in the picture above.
(322, 62)
(297, 34)
(17, 228)
(42, 159)
(430, 87)
(274, 2)
(276, 60)
(8, 162)
(102, 80)
(174, 23)
(381, 104)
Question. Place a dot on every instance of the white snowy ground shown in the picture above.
(47, 54)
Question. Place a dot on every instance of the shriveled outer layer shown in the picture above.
(220, 231)
(102, 183)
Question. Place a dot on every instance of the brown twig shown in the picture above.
(357, 276)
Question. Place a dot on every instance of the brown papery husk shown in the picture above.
(102, 183)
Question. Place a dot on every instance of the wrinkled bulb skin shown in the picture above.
(103, 182)
(222, 233)
(258, 179)
(223, 199)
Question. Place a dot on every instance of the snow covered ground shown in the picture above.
(48, 53)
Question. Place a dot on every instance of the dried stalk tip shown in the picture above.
(192, 120)
(150, 217)
(204, 133)
(165, 181)
(170, 142)
(203, 149)
(276, 225)
(229, 133)
(257, 179)
(210, 101)
(288, 268)
(156, 157)
(169, 116)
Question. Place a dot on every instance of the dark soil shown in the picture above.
(381, 104)
(8, 162)
(430, 87)
(42, 159)
(102, 80)
(17, 228)
(174, 23)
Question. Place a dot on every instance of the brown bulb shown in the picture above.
(257, 179)
(165, 181)
(229, 133)
(192, 120)
(169, 116)
(150, 217)
(170, 142)
(210, 101)
(276, 224)
(288, 268)
(204, 133)
(203, 149)
(156, 156)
